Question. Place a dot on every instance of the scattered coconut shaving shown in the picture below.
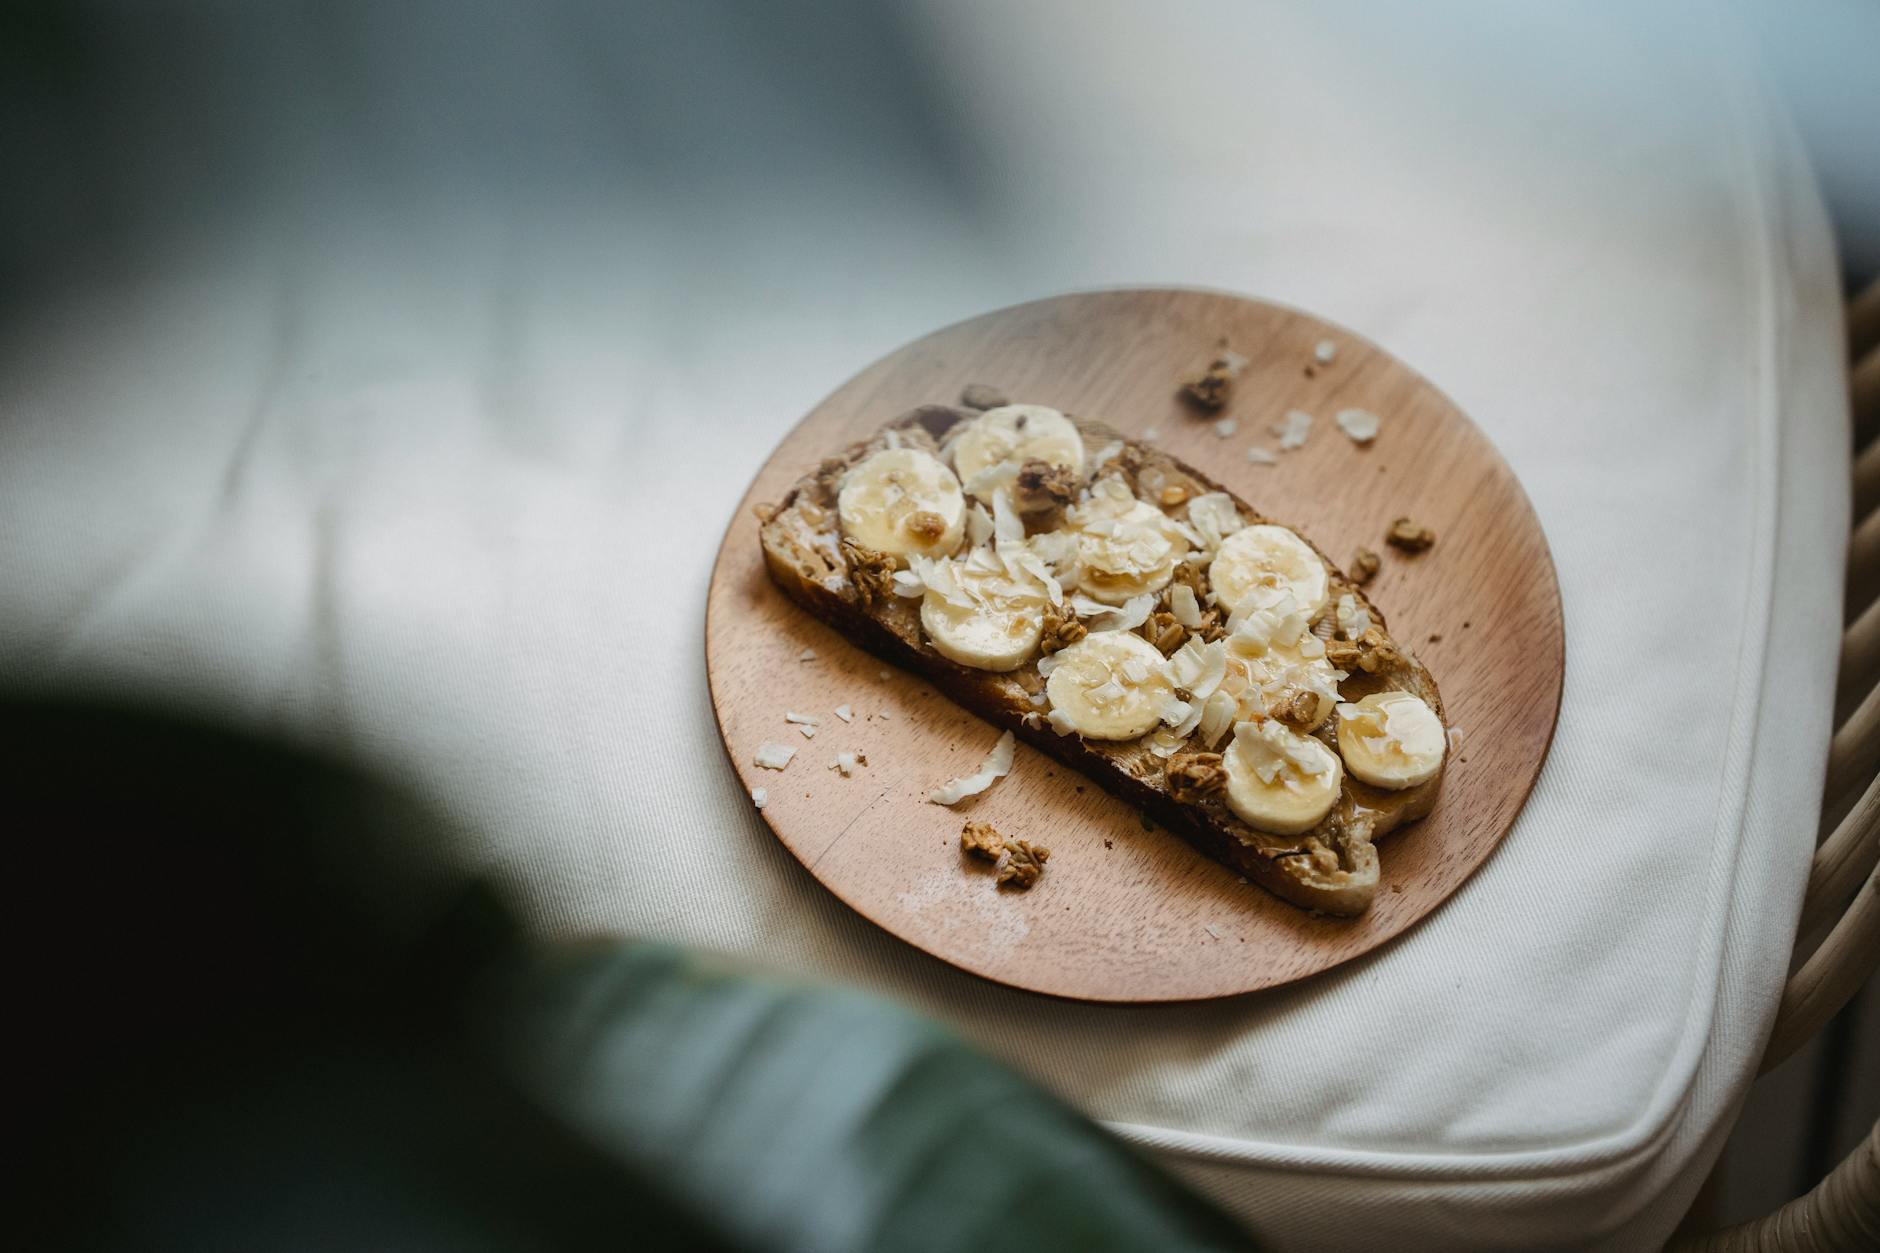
(760, 797)
(845, 762)
(997, 765)
(883, 675)
(772, 756)
(1360, 424)
(1324, 353)
(804, 720)
(845, 712)
(1226, 427)
(1455, 738)
(1152, 433)
(1261, 457)
(1210, 929)
(809, 732)
(808, 654)
(1293, 431)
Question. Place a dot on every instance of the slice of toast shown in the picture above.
(1332, 868)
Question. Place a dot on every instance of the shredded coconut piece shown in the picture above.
(884, 714)
(1185, 605)
(1132, 614)
(809, 732)
(1455, 738)
(808, 654)
(1261, 457)
(1360, 424)
(1210, 929)
(883, 675)
(1293, 431)
(1353, 621)
(772, 756)
(1325, 351)
(1152, 433)
(759, 797)
(845, 712)
(1226, 427)
(997, 765)
(801, 719)
(845, 762)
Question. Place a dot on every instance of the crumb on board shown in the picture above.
(808, 654)
(773, 756)
(760, 797)
(982, 396)
(845, 712)
(809, 731)
(1363, 566)
(1210, 388)
(1109, 843)
(1410, 536)
(1226, 427)
(981, 840)
(1261, 457)
(1024, 863)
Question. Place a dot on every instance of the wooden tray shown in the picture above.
(1126, 913)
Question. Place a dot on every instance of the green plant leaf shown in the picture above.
(805, 1118)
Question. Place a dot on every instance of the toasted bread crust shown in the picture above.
(1332, 868)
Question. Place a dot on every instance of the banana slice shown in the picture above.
(1125, 547)
(982, 619)
(1267, 556)
(1392, 740)
(1278, 780)
(1273, 656)
(992, 447)
(1108, 686)
(902, 501)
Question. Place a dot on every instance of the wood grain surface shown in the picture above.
(1126, 913)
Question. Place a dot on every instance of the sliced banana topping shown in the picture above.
(1125, 547)
(976, 613)
(1108, 686)
(990, 449)
(1273, 656)
(1279, 780)
(902, 501)
(1263, 557)
(1391, 740)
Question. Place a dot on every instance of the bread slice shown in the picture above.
(1332, 868)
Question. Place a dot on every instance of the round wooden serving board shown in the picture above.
(1125, 913)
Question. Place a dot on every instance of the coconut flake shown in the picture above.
(1135, 671)
(892, 438)
(1152, 433)
(883, 675)
(1360, 424)
(1127, 617)
(845, 762)
(809, 733)
(1185, 605)
(1293, 431)
(1325, 351)
(884, 714)
(808, 654)
(1214, 518)
(1226, 427)
(1212, 930)
(1455, 738)
(997, 765)
(801, 719)
(773, 756)
(1261, 457)
(760, 797)
(1217, 717)
(845, 712)
(1046, 665)
(978, 525)
(1112, 449)
(1353, 621)
(1005, 520)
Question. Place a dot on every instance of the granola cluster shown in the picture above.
(1363, 566)
(872, 572)
(1163, 631)
(1061, 629)
(1195, 776)
(1024, 864)
(1370, 652)
(1044, 488)
(982, 840)
(1409, 536)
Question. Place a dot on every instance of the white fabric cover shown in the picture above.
(439, 479)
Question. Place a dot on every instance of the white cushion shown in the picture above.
(442, 485)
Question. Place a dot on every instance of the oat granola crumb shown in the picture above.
(925, 524)
(982, 396)
(981, 840)
(1172, 495)
(1194, 776)
(1043, 487)
(1370, 652)
(1024, 863)
(1210, 388)
(1298, 711)
(1436, 639)
(1061, 630)
(1163, 631)
(1109, 844)
(872, 572)
(1363, 566)
(1409, 536)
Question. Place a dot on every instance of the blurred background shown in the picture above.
(544, 222)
